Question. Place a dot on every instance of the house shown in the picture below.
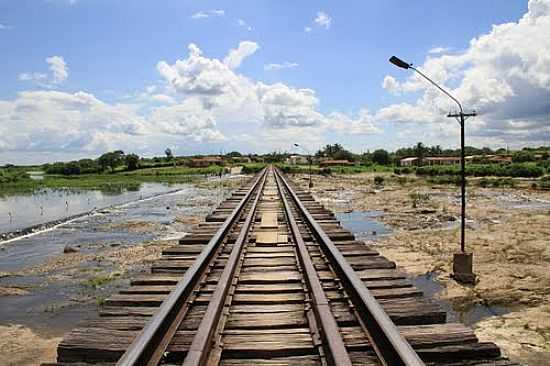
(441, 160)
(205, 161)
(328, 163)
(408, 161)
(297, 160)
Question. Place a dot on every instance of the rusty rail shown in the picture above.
(390, 346)
(335, 348)
(149, 346)
(202, 341)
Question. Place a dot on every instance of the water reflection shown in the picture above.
(45, 205)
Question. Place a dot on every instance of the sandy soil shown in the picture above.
(507, 229)
(16, 341)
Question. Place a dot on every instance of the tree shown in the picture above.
(169, 155)
(420, 151)
(234, 154)
(132, 161)
(381, 157)
(111, 159)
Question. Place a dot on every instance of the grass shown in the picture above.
(17, 181)
(315, 169)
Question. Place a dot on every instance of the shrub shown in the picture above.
(378, 180)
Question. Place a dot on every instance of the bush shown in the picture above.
(525, 170)
(252, 168)
(9, 176)
(378, 180)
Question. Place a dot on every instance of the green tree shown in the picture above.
(381, 157)
(111, 160)
(132, 161)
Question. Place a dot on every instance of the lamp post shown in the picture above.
(310, 159)
(462, 262)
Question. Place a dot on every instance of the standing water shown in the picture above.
(46, 205)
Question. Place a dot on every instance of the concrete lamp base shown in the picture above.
(462, 268)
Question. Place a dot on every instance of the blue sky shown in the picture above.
(329, 79)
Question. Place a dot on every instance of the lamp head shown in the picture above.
(400, 63)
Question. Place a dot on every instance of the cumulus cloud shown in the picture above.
(59, 69)
(59, 73)
(230, 95)
(284, 65)
(203, 14)
(307, 29)
(237, 55)
(439, 50)
(500, 74)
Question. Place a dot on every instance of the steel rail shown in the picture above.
(150, 344)
(335, 348)
(201, 345)
(390, 346)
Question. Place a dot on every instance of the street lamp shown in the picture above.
(310, 159)
(462, 262)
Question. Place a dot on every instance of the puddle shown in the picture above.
(364, 224)
(469, 316)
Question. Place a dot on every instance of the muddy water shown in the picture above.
(49, 291)
(366, 225)
(469, 316)
(45, 205)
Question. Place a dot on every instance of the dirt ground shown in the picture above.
(508, 230)
(15, 341)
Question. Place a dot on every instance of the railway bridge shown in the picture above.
(271, 278)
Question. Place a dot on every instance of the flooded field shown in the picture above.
(45, 205)
(53, 279)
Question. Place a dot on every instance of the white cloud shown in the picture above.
(390, 84)
(203, 14)
(35, 76)
(200, 101)
(59, 69)
(5, 27)
(500, 74)
(236, 56)
(439, 50)
(59, 73)
(284, 65)
(307, 29)
(323, 20)
(242, 23)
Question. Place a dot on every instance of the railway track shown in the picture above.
(272, 279)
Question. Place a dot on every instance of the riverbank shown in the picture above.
(55, 279)
(508, 231)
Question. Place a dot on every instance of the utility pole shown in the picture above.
(463, 261)
(461, 118)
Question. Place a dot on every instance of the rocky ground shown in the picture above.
(508, 230)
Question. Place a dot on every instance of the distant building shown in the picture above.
(408, 161)
(441, 160)
(329, 163)
(297, 160)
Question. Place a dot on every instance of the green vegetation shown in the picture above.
(525, 170)
(252, 168)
